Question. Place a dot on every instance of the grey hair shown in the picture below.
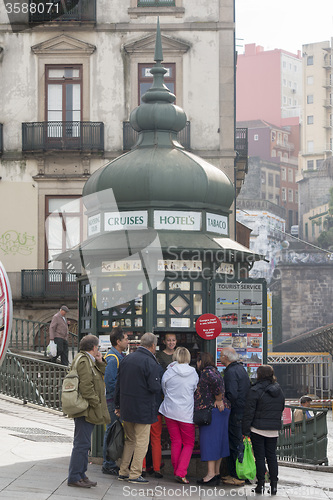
(88, 342)
(231, 354)
(148, 340)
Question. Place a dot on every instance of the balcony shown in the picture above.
(63, 11)
(63, 136)
(48, 284)
(241, 148)
(1, 139)
(130, 136)
(155, 3)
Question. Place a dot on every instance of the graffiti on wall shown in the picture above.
(13, 243)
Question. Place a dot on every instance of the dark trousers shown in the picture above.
(265, 447)
(235, 442)
(62, 351)
(78, 464)
(109, 464)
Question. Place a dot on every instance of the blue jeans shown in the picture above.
(109, 464)
(78, 464)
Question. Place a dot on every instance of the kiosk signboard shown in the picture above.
(241, 308)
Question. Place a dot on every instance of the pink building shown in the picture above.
(269, 86)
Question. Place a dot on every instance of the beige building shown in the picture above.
(313, 222)
(68, 84)
(317, 121)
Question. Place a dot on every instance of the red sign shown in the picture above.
(6, 312)
(208, 326)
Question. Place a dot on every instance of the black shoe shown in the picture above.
(113, 472)
(260, 488)
(158, 475)
(139, 480)
(214, 481)
(143, 473)
(122, 478)
(273, 487)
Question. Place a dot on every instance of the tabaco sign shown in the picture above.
(6, 312)
(208, 326)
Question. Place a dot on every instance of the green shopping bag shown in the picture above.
(246, 465)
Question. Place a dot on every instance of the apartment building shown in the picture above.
(317, 123)
(269, 85)
(69, 81)
(273, 162)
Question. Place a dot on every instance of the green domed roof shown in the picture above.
(160, 177)
(158, 172)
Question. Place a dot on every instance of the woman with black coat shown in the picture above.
(262, 421)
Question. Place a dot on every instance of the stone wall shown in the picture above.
(306, 294)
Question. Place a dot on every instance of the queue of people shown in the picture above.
(140, 393)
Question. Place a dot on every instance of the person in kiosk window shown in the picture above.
(165, 357)
(119, 343)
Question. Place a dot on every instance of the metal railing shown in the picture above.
(48, 283)
(241, 143)
(31, 380)
(63, 136)
(33, 336)
(304, 441)
(130, 136)
(155, 3)
(63, 10)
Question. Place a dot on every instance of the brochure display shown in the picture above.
(241, 308)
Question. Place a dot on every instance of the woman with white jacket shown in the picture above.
(178, 384)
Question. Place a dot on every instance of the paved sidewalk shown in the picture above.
(35, 447)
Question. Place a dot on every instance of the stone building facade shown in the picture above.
(67, 88)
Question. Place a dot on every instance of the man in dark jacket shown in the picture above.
(237, 385)
(135, 400)
(119, 342)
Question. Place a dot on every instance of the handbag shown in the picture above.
(115, 441)
(245, 462)
(203, 416)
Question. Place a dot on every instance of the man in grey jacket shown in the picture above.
(59, 334)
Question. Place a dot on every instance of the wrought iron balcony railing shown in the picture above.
(241, 143)
(1, 139)
(63, 136)
(48, 283)
(62, 10)
(130, 136)
(156, 3)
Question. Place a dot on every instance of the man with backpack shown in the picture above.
(119, 343)
(90, 367)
